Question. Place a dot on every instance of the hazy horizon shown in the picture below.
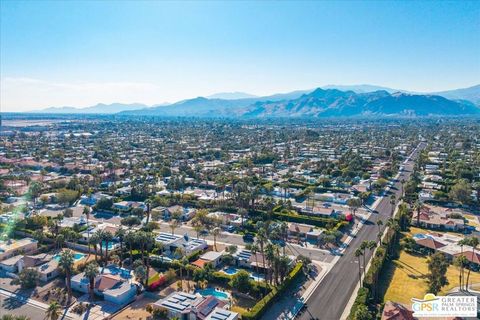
(79, 54)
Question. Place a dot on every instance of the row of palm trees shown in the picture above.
(462, 261)
(361, 252)
(275, 264)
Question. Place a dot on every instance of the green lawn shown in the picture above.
(406, 278)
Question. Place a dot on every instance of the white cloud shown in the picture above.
(24, 94)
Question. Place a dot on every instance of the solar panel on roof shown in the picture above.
(174, 306)
(223, 312)
(180, 297)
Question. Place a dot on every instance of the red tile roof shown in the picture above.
(396, 311)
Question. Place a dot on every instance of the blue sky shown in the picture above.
(85, 52)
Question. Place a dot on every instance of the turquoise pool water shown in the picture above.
(253, 275)
(230, 271)
(213, 292)
(76, 256)
(124, 273)
(110, 245)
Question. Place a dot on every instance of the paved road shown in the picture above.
(330, 298)
(13, 306)
(235, 239)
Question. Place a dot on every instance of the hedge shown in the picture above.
(261, 307)
(361, 300)
(316, 221)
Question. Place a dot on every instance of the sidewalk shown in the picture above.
(290, 305)
(35, 303)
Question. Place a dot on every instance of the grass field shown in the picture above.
(472, 220)
(406, 278)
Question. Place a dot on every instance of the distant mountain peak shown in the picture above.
(231, 95)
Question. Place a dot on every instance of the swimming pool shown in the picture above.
(421, 236)
(111, 245)
(230, 271)
(115, 270)
(76, 256)
(213, 292)
(253, 275)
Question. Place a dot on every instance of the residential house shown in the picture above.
(396, 311)
(212, 257)
(112, 287)
(12, 247)
(189, 245)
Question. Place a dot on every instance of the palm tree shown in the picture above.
(174, 224)
(86, 212)
(148, 212)
(261, 240)
(417, 206)
(91, 272)
(254, 250)
(53, 311)
(363, 247)
(270, 255)
(392, 203)
(183, 266)
(402, 183)
(473, 242)
(99, 234)
(131, 239)
(120, 235)
(107, 238)
(94, 241)
(59, 241)
(358, 253)
(215, 233)
(379, 224)
(242, 212)
(66, 264)
(462, 261)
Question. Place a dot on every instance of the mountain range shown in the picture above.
(328, 101)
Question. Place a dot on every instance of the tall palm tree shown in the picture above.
(59, 241)
(393, 200)
(66, 264)
(174, 224)
(254, 250)
(473, 242)
(131, 239)
(261, 240)
(120, 235)
(379, 224)
(86, 212)
(417, 206)
(462, 261)
(53, 311)
(94, 241)
(183, 266)
(270, 256)
(363, 247)
(91, 272)
(100, 234)
(148, 212)
(371, 245)
(107, 238)
(402, 183)
(215, 233)
(358, 253)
